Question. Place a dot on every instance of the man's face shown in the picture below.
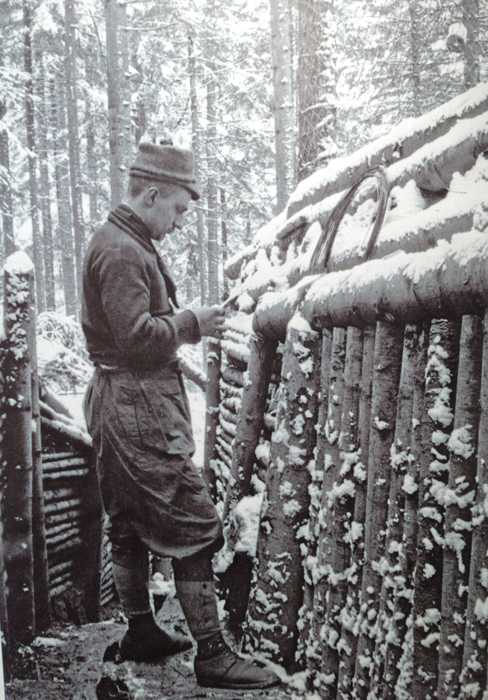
(167, 213)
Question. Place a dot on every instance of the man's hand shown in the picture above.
(211, 320)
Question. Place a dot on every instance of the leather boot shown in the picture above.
(217, 666)
(145, 641)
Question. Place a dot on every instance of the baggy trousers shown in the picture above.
(153, 494)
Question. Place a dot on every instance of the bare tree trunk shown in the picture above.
(316, 91)
(471, 20)
(283, 100)
(31, 145)
(415, 54)
(118, 97)
(73, 138)
(195, 138)
(212, 213)
(45, 188)
(212, 413)
(61, 172)
(8, 243)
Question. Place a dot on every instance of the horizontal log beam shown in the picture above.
(401, 289)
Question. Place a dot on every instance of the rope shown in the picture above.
(321, 254)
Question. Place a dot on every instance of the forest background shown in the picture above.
(264, 91)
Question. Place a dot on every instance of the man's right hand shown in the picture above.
(211, 320)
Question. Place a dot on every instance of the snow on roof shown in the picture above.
(439, 173)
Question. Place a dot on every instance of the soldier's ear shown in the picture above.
(151, 196)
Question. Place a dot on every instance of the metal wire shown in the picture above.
(321, 254)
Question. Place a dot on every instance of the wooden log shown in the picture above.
(63, 516)
(232, 376)
(47, 458)
(475, 653)
(402, 289)
(308, 647)
(192, 372)
(56, 506)
(387, 365)
(401, 142)
(58, 465)
(230, 416)
(56, 536)
(41, 578)
(340, 510)
(60, 494)
(278, 594)
(330, 462)
(17, 469)
(434, 464)
(236, 352)
(398, 661)
(60, 568)
(65, 547)
(65, 474)
(350, 616)
(251, 418)
(393, 583)
(458, 498)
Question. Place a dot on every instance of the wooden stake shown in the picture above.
(278, 594)
(340, 507)
(211, 418)
(350, 615)
(439, 404)
(386, 376)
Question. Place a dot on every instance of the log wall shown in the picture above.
(51, 516)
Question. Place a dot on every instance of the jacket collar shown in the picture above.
(128, 221)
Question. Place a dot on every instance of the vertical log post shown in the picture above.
(475, 655)
(41, 577)
(341, 508)
(458, 498)
(386, 377)
(331, 466)
(350, 616)
(17, 464)
(399, 650)
(211, 416)
(248, 431)
(393, 579)
(434, 466)
(278, 594)
(308, 643)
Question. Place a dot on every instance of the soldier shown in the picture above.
(137, 413)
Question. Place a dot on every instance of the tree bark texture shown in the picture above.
(393, 580)
(283, 100)
(211, 416)
(73, 138)
(277, 597)
(6, 191)
(440, 385)
(17, 471)
(475, 654)
(386, 376)
(401, 290)
(45, 187)
(212, 191)
(65, 221)
(118, 98)
(31, 145)
(196, 146)
(458, 498)
(330, 463)
(350, 617)
(340, 530)
(308, 645)
(471, 20)
(401, 617)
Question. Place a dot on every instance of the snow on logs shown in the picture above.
(277, 596)
(448, 281)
